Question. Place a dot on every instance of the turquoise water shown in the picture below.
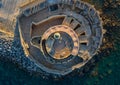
(106, 71)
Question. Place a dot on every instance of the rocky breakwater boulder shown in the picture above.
(12, 52)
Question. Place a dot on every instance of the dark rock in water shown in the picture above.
(109, 64)
(101, 76)
(109, 71)
(94, 73)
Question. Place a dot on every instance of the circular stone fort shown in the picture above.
(59, 35)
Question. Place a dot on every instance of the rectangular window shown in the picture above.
(42, 5)
(53, 7)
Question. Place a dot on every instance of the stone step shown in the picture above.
(83, 39)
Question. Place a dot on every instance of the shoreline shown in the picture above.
(15, 55)
(12, 52)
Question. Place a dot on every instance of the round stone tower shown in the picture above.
(59, 35)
